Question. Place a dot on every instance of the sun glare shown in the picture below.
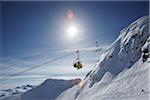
(72, 31)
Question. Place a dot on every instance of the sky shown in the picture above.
(30, 27)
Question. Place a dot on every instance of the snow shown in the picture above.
(17, 90)
(48, 90)
(120, 74)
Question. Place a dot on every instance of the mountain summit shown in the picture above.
(122, 72)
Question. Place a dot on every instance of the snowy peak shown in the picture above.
(49, 89)
(122, 69)
(136, 28)
(17, 90)
(125, 51)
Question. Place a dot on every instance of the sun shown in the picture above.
(72, 31)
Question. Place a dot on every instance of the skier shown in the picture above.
(145, 55)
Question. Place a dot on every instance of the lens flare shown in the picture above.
(70, 15)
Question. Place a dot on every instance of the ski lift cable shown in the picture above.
(37, 66)
(26, 58)
(31, 57)
(20, 61)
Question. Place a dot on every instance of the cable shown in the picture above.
(20, 61)
(28, 58)
(33, 57)
(26, 70)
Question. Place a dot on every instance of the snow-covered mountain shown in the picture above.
(123, 70)
(48, 90)
(17, 90)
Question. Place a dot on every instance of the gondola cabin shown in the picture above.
(78, 65)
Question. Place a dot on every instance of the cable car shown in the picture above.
(78, 64)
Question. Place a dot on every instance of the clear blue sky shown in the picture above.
(33, 25)
(29, 27)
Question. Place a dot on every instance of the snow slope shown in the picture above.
(121, 73)
(48, 90)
